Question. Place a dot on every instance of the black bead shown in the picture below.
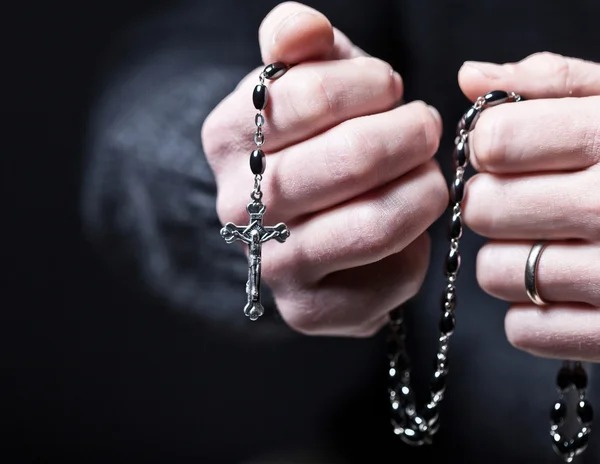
(447, 323)
(258, 162)
(443, 366)
(456, 228)
(558, 413)
(580, 379)
(585, 412)
(461, 125)
(260, 97)
(431, 413)
(275, 70)
(564, 378)
(438, 383)
(457, 191)
(495, 97)
(452, 262)
(560, 445)
(580, 442)
(471, 117)
(461, 154)
(413, 437)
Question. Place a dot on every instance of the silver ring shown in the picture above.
(533, 261)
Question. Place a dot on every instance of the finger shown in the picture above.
(372, 226)
(538, 135)
(567, 272)
(563, 331)
(309, 99)
(294, 33)
(545, 206)
(356, 302)
(352, 158)
(542, 75)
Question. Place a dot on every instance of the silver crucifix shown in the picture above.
(254, 235)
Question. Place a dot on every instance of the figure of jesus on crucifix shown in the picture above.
(254, 235)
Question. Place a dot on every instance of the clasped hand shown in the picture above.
(351, 172)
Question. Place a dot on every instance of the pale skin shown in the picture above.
(350, 170)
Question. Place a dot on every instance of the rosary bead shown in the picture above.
(260, 97)
(585, 412)
(275, 70)
(456, 228)
(258, 162)
(471, 117)
(431, 413)
(579, 377)
(580, 442)
(457, 192)
(452, 262)
(564, 378)
(496, 97)
(561, 446)
(447, 323)
(461, 154)
(558, 414)
(413, 437)
(438, 384)
(419, 428)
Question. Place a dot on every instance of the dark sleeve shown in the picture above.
(149, 195)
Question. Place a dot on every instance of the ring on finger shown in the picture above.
(531, 270)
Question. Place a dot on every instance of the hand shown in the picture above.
(348, 170)
(540, 179)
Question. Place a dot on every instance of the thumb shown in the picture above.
(293, 32)
(542, 75)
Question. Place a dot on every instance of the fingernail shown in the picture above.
(486, 69)
(291, 21)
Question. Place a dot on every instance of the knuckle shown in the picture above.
(372, 228)
(347, 157)
(371, 329)
(380, 76)
(590, 214)
(313, 96)
(591, 139)
(229, 209)
(207, 135)
(553, 64)
(307, 319)
(218, 137)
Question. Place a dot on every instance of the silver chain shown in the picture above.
(414, 426)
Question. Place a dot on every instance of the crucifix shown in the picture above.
(254, 235)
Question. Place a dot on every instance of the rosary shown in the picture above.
(416, 426)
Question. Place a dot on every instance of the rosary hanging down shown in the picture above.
(255, 234)
(418, 427)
